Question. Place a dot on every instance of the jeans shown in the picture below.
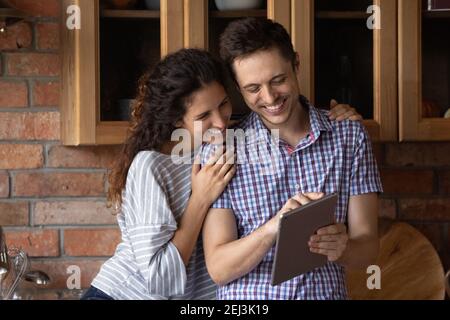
(95, 294)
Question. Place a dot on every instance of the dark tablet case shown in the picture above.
(292, 255)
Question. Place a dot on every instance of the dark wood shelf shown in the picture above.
(436, 14)
(130, 14)
(342, 15)
(238, 13)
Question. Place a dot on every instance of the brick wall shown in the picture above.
(52, 198)
(416, 181)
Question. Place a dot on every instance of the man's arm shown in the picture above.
(227, 257)
(357, 247)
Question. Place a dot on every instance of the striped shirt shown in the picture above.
(146, 264)
(334, 157)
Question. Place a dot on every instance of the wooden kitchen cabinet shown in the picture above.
(103, 60)
(424, 72)
(385, 73)
(341, 57)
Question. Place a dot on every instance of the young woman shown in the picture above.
(162, 203)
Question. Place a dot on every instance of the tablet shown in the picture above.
(292, 254)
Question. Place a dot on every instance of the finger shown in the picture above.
(333, 103)
(215, 157)
(332, 229)
(225, 168)
(324, 245)
(301, 198)
(196, 167)
(345, 116)
(357, 117)
(325, 252)
(325, 238)
(314, 195)
(230, 174)
(340, 109)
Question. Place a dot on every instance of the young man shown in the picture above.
(316, 156)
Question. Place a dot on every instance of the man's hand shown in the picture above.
(341, 112)
(330, 241)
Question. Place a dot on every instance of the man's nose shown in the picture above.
(268, 96)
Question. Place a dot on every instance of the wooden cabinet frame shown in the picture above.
(184, 23)
(80, 87)
(412, 126)
(384, 125)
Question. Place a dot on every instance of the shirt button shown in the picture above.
(297, 187)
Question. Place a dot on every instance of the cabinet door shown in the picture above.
(345, 55)
(103, 60)
(424, 72)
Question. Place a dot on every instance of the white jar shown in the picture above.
(224, 5)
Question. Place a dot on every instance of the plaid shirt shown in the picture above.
(334, 157)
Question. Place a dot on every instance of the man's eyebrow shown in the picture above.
(257, 84)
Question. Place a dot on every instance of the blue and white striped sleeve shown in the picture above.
(151, 226)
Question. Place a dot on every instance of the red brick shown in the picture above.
(17, 36)
(47, 36)
(4, 185)
(33, 64)
(21, 156)
(13, 94)
(432, 231)
(418, 154)
(29, 126)
(444, 182)
(425, 209)
(58, 271)
(56, 184)
(378, 151)
(73, 212)
(37, 243)
(13, 213)
(404, 181)
(46, 93)
(387, 209)
(91, 242)
(38, 8)
(83, 157)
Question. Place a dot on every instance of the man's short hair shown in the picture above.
(246, 36)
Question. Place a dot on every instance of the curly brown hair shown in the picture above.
(162, 98)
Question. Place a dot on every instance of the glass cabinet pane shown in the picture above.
(435, 59)
(130, 43)
(344, 55)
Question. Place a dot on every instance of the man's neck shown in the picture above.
(297, 127)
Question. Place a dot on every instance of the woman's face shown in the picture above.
(207, 115)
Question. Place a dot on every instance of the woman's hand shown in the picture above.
(209, 182)
(341, 112)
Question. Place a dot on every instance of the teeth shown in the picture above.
(276, 107)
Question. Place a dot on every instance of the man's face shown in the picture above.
(268, 83)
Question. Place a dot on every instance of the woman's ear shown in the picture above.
(178, 124)
(297, 63)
